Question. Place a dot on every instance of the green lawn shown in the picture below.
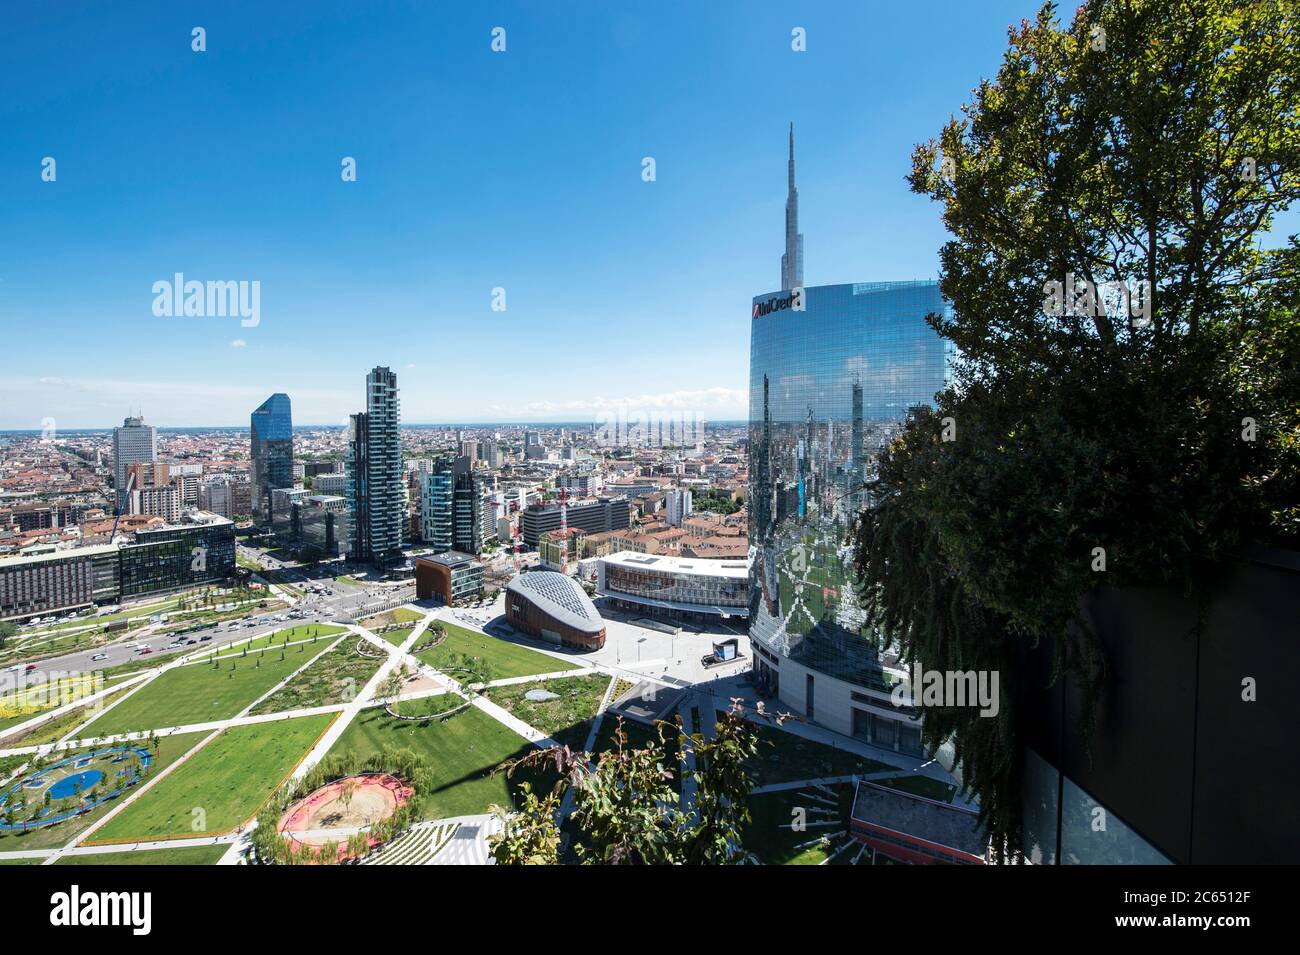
(336, 677)
(504, 660)
(396, 637)
(921, 786)
(228, 780)
(429, 705)
(783, 757)
(36, 861)
(200, 692)
(21, 706)
(769, 836)
(290, 635)
(170, 748)
(462, 752)
(567, 719)
(183, 855)
(397, 615)
(53, 730)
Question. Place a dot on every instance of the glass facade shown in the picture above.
(272, 452)
(376, 486)
(716, 588)
(170, 558)
(833, 372)
(1064, 825)
(436, 509)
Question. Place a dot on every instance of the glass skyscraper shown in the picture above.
(833, 371)
(272, 452)
(375, 484)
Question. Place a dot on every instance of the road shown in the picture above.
(346, 602)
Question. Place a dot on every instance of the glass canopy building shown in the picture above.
(272, 452)
(833, 371)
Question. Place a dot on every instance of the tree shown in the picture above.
(1118, 322)
(531, 835)
(346, 793)
(8, 629)
(626, 807)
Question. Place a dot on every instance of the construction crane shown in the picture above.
(564, 531)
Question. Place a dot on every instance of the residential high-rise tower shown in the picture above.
(374, 472)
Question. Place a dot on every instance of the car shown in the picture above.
(206, 637)
(99, 656)
(16, 666)
(30, 668)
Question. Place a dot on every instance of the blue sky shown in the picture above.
(476, 170)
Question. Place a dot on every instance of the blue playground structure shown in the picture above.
(73, 778)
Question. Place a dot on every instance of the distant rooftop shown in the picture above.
(668, 564)
(449, 558)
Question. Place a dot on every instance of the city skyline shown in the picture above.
(373, 259)
(970, 540)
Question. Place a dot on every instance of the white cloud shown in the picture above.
(239, 343)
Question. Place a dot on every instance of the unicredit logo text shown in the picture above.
(775, 304)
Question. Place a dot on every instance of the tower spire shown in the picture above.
(792, 260)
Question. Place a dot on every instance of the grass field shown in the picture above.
(170, 748)
(335, 677)
(462, 752)
(228, 781)
(184, 855)
(199, 693)
(396, 615)
(566, 719)
(388, 618)
(504, 660)
(55, 729)
(319, 631)
(429, 705)
(396, 637)
(769, 837)
(784, 757)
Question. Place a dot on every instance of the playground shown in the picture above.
(71, 787)
(342, 807)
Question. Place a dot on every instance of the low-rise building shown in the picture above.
(554, 608)
(450, 577)
(674, 586)
(560, 550)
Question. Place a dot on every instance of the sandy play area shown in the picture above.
(374, 796)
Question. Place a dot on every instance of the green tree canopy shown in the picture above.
(1128, 371)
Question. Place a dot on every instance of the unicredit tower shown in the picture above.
(833, 371)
